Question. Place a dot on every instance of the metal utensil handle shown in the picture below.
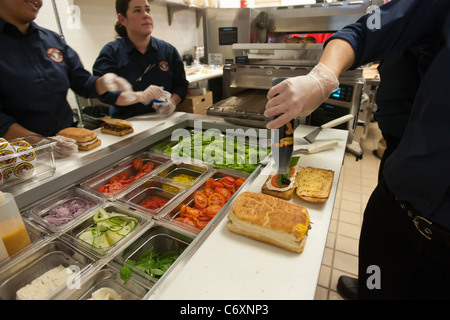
(337, 121)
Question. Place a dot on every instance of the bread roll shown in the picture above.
(117, 127)
(314, 184)
(270, 220)
(86, 139)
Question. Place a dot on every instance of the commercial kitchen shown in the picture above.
(232, 51)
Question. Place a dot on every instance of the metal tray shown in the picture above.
(172, 215)
(72, 235)
(161, 187)
(40, 209)
(162, 239)
(107, 277)
(126, 167)
(174, 170)
(47, 257)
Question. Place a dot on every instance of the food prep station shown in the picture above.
(211, 262)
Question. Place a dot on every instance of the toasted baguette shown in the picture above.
(271, 220)
(314, 184)
(90, 146)
(81, 135)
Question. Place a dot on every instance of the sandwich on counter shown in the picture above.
(270, 220)
(278, 187)
(117, 127)
(86, 139)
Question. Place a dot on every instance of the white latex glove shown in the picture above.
(166, 108)
(112, 82)
(149, 94)
(64, 147)
(300, 96)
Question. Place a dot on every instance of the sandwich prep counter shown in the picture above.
(208, 261)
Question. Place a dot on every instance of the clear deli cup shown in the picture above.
(158, 104)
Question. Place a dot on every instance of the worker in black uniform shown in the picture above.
(37, 68)
(148, 63)
(404, 249)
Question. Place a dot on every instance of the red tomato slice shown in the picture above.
(225, 192)
(216, 199)
(114, 179)
(217, 184)
(212, 210)
(201, 223)
(137, 164)
(239, 182)
(208, 191)
(227, 181)
(115, 186)
(123, 175)
(148, 167)
(200, 200)
(209, 182)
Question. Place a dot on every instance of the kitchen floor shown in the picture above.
(356, 183)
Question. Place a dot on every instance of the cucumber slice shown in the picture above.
(101, 241)
(113, 237)
(87, 236)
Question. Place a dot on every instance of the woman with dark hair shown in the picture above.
(148, 63)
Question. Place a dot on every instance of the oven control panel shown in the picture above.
(344, 93)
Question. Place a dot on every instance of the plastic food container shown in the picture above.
(27, 158)
(174, 215)
(102, 183)
(159, 237)
(152, 196)
(107, 277)
(50, 255)
(73, 234)
(60, 211)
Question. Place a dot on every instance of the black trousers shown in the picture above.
(395, 260)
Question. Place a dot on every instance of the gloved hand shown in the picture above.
(149, 94)
(300, 96)
(112, 82)
(64, 147)
(166, 108)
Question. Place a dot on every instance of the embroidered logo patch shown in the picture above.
(163, 65)
(55, 54)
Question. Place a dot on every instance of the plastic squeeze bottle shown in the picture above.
(3, 253)
(283, 146)
(12, 228)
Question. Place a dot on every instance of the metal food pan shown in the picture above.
(40, 210)
(73, 234)
(53, 254)
(174, 170)
(36, 233)
(163, 188)
(172, 215)
(107, 277)
(159, 237)
(125, 167)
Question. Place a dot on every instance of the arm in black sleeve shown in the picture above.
(401, 24)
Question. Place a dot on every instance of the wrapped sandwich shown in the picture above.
(270, 220)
